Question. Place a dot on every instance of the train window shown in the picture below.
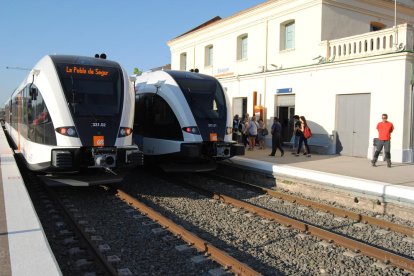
(141, 114)
(165, 124)
(41, 128)
(15, 112)
(92, 91)
(23, 118)
(205, 97)
(154, 118)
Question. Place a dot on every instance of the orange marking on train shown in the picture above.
(98, 141)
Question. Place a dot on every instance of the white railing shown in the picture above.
(380, 42)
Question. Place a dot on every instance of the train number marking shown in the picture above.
(98, 125)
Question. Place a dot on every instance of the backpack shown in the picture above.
(307, 132)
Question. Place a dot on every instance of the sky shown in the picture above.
(132, 32)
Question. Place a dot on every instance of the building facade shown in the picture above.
(340, 63)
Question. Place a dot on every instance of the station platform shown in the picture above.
(24, 249)
(350, 173)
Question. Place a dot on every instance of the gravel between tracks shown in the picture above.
(398, 243)
(266, 246)
(130, 236)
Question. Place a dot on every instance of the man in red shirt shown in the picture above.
(384, 140)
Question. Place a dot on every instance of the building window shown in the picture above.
(287, 31)
(376, 26)
(209, 55)
(242, 43)
(183, 62)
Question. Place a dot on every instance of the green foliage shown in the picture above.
(137, 71)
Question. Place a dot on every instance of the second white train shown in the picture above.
(183, 120)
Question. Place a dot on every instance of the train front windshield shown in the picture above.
(204, 96)
(92, 90)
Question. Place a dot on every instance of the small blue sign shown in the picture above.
(283, 90)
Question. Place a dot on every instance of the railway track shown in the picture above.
(357, 217)
(265, 245)
(384, 256)
(72, 245)
(244, 257)
(86, 237)
(231, 264)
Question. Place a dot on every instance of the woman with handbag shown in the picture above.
(304, 134)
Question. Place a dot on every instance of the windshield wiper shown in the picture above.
(73, 91)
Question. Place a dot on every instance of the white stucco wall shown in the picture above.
(381, 70)
(316, 89)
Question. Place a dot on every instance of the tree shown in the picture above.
(137, 71)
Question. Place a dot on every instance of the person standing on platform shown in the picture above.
(385, 129)
(302, 138)
(296, 132)
(252, 132)
(276, 137)
(236, 132)
(261, 134)
(244, 129)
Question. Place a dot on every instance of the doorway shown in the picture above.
(239, 106)
(285, 114)
(285, 109)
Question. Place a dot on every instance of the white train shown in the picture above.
(183, 121)
(72, 118)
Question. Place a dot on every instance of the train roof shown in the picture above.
(92, 61)
(188, 75)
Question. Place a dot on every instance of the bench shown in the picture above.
(318, 143)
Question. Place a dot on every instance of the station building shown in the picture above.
(340, 63)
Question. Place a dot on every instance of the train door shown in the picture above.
(239, 106)
(285, 109)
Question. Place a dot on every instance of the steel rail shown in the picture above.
(357, 246)
(98, 256)
(409, 231)
(218, 255)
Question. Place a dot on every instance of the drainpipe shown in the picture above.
(412, 113)
(194, 52)
(265, 69)
(267, 46)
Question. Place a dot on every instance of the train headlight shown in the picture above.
(67, 131)
(124, 131)
(191, 129)
(229, 130)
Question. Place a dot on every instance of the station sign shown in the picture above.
(284, 90)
